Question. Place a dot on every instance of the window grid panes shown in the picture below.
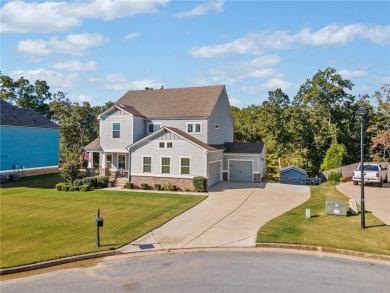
(121, 161)
(169, 145)
(190, 128)
(161, 145)
(116, 130)
(197, 127)
(185, 166)
(165, 165)
(147, 165)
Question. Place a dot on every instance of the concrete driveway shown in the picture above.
(230, 217)
(377, 199)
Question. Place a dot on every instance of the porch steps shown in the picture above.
(121, 182)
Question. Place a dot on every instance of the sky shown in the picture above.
(98, 50)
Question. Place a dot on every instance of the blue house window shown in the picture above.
(116, 130)
(153, 127)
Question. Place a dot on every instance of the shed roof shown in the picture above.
(292, 168)
(14, 116)
(176, 102)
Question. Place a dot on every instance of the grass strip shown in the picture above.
(327, 230)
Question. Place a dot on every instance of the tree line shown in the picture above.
(317, 129)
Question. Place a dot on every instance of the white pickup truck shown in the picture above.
(373, 173)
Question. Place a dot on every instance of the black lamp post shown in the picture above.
(362, 113)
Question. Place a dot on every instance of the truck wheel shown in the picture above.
(385, 181)
(355, 183)
(380, 184)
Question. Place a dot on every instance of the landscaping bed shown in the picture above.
(327, 230)
(39, 223)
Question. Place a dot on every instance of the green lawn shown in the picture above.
(39, 223)
(327, 230)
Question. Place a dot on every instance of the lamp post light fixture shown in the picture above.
(362, 113)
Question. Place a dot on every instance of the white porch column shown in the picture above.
(90, 160)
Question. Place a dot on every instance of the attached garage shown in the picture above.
(240, 171)
(214, 173)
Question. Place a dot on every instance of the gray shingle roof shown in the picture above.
(244, 147)
(129, 109)
(14, 116)
(94, 145)
(177, 102)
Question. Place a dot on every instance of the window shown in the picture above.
(147, 165)
(109, 158)
(185, 166)
(161, 145)
(116, 130)
(165, 165)
(194, 127)
(121, 161)
(153, 127)
(169, 145)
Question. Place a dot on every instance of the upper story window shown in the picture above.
(153, 127)
(194, 127)
(116, 130)
(169, 145)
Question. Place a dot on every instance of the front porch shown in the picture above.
(113, 165)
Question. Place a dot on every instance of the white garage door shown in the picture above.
(240, 171)
(214, 173)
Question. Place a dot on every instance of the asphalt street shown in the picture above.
(215, 271)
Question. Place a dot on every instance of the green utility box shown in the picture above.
(337, 208)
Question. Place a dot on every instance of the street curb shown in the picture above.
(57, 262)
(325, 249)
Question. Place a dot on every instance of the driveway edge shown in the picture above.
(57, 262)
(325, 249)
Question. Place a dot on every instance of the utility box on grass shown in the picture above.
(337, 208)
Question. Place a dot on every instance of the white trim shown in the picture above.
(170, 164)
(114, 151)
(112, 129)
(142, 163)
(28, 169)
(253, 170)
(163, 175)
(193, 127)
(180, 166)
(163, 144)
(241, 154)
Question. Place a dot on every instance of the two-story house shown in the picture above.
(173, 135)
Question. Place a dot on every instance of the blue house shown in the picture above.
(293, 175)
(29, 142)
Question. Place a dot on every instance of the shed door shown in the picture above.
(214, 173)
(240, 171)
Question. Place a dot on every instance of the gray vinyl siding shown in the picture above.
(181, 123)
(214, 156)
(138, 128)
(126, 130)
(238, 157)
(181, 148)
(222, 117)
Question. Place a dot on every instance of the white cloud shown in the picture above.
(331, 35)
(56, 80)
(52, 16)
(355, 73)
(119, 82)
(131, 36)
(235, 102)
(75, 65)
(202, 9)
(233, 72)
(75, 44)
(81, 98)
(275, 83)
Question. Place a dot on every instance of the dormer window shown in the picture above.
(153, 127)
(116, 130)
(194, 127)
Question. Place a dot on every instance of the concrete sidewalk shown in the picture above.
(377, 199)
(230, 217)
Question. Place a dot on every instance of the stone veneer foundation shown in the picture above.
(31, 172)
(182, 184)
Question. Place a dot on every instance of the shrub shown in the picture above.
(157, 186)
(91, 181)
(74, 188)
(129, 185)
(335, 176)
(78, 182)
(173, 188)
(59, 186)
(102, 181)
(69, 171)
(200, 183)
(166, 186)
(66, 187)
(85, 187)
(144, 186)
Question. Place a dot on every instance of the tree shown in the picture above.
(335, 157)
(28, 96)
